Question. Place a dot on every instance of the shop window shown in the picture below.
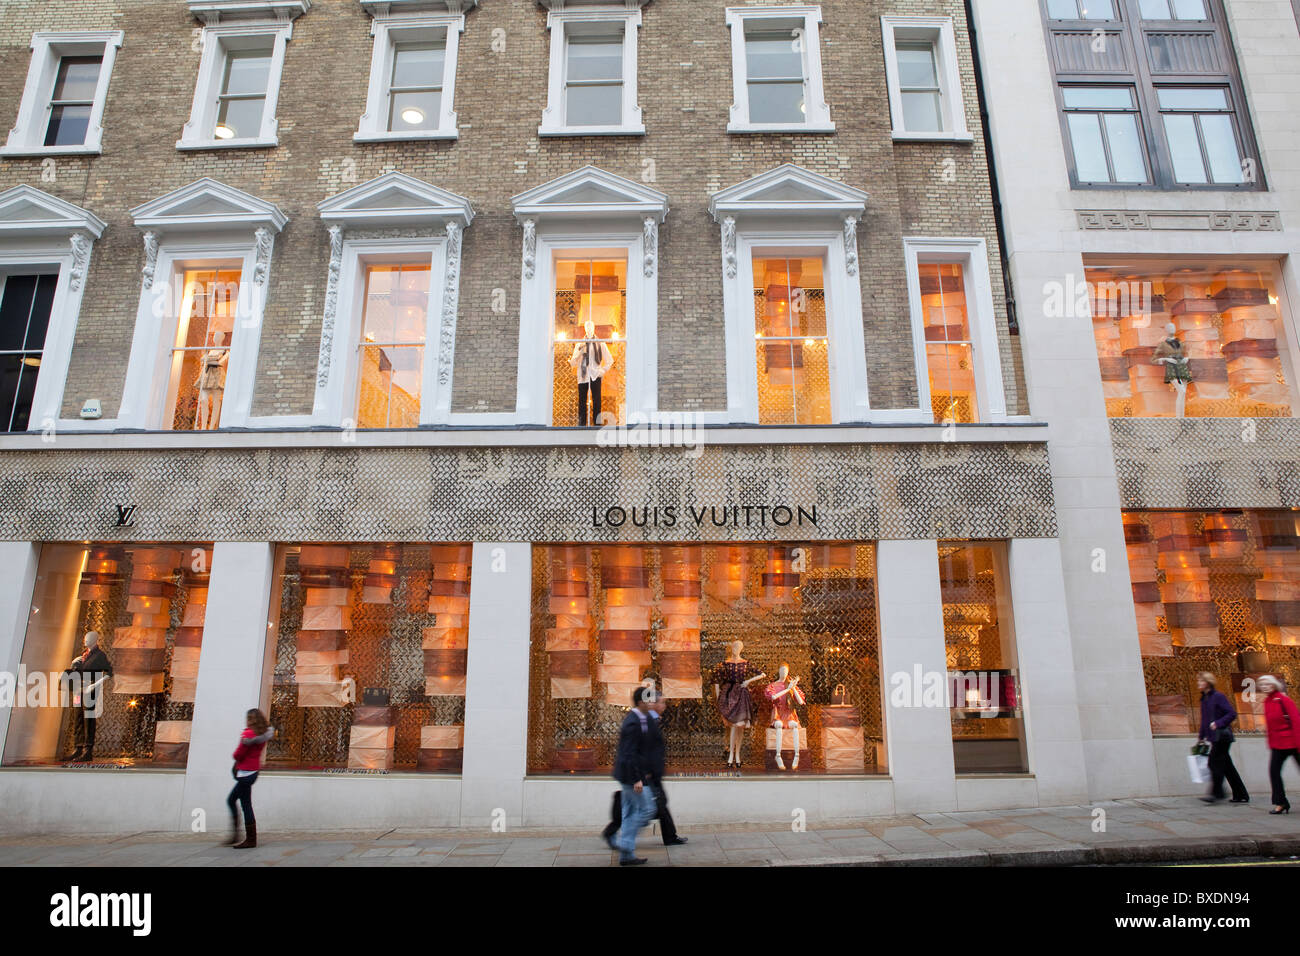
(412, 77)
(608, 618)
(988, 729)
(590, 340)
(200, 357)
(147, 605)
(949, 348)
(593, 76)
(25, 304)
(370, 645)
(391, 358)
(1190, 340)
(1215, 591)
(63, 102)
(777, 70)
(791, 341)
(925, 97)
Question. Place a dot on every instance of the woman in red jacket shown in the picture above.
(248, 761)
(1283, 722)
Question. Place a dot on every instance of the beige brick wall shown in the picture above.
(685, 96)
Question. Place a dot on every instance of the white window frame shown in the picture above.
(388, 31)
(199, 132)
(939, 32)
(972, 256)
(817, 114)
(40, 233)
(559, 21)
(27, 138)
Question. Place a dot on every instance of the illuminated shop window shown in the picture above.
(792, 347)
(988, 728)
(607, 618)
(590, 340)
(949, 348)
(200, 359)
(391, 363)
(1215, 591)
(370, 648)
(147, 604)
(1226, 355)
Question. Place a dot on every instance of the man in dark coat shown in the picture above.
(632, 771)
(656, 756)
(92, 668)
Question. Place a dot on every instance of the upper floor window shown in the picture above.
(925, 97)
(63, 102)
(794, 383)
(391, 361)
(412, 87)
(592, 88)
(590, 339)
(1152, 97)
(777, 70)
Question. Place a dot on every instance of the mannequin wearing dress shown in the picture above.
(1171, 354)
(591, 362)
(731, 680)
(211, 382)
(784, 695)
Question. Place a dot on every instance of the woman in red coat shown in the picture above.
(1282, 719)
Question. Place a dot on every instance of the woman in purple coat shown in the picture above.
(1217, 715)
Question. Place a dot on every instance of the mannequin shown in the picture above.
(590, 361)
(1173, 357)
(94, 668)
(212, 368)
(731, 682)
(784, 695)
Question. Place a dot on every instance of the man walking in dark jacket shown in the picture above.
(657, 748)
(93, 668)
(632, 771)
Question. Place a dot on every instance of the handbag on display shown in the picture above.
(839, 696)
(1253, 661)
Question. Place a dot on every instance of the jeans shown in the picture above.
(1275, 762)
(638, 810)
(243, 792)
(667, 828)
(594, 387)
(1221, 766)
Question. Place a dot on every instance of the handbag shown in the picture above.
(839, 696)
(1252, 660)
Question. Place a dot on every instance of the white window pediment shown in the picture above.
(213, 12)
(395, 199)
(208, 205)
(788, 190)
(26, 211)
(589, 193)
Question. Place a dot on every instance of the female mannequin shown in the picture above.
(1173, 357)
(784, 695)
(212, 368)
(731, 682)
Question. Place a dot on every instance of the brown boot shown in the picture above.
(250, 837)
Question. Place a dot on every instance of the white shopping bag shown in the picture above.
(1198, 767)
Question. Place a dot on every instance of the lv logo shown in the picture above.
(124, 516)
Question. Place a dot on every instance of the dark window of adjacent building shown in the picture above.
(72, 100)
(25, 302)
(1150, 95)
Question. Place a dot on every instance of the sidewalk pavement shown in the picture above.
(1149, 830)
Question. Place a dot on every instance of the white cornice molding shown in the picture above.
(213, 12)
(388, 8)
(588, 193)
(207, 205)
(788, 190)
(27, 211)
(395, 199)
(583, 4)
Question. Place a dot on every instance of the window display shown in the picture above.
(118, 629)
(988, 728)
(371, 650)
(949, 347)
(590, 340)
(392, 345)
(1218, 592)
(201, 356)
(1205, 340)
(766, 653)
(794, 385)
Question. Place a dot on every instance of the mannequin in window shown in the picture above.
(731, 680)
(1171, 354)
(211, 382)
(591, 360)
(784, 695)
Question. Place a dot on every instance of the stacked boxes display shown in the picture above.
(678, 644)
(326, 616)
(1141, 546)
(442, 747)
(1193, 313)
(1250, 338)
(103, 570)
(1139, 334)
(568, 644)
(843, 741)
(171, 742)
(381, 576)
(189, 637)
(140, 650)
(370, 742)
(446, 644)
(1278, 590)
(730, 573)
(624, 644)
(779, 579)
(1190, 614)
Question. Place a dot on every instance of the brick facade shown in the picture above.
(685, 91)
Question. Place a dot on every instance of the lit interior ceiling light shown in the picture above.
(412, 116)
(224, 132)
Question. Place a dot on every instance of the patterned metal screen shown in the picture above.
(606, 618)
(388, 619)
(1215, 591)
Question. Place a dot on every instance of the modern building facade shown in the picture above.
(432, 374)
